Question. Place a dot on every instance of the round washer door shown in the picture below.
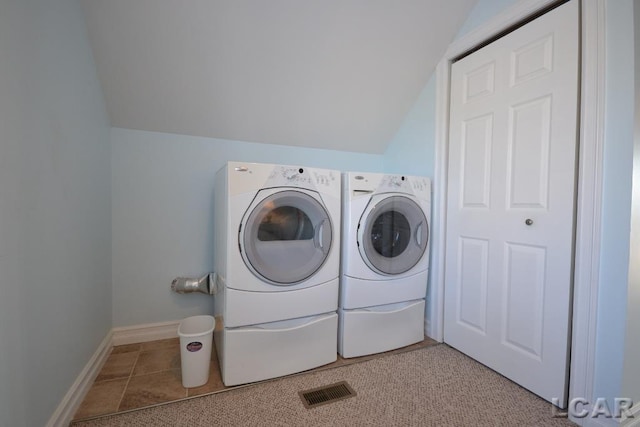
(392, 234)
(285, 236)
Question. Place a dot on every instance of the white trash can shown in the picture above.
(196, 334)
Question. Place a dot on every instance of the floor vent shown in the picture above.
(326, 394)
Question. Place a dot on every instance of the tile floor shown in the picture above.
(144, 374)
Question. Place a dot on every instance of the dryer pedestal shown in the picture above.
(269, 350)
(371, 330)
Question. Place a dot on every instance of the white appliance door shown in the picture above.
(510, 202)
(285, 236)
(393, 234)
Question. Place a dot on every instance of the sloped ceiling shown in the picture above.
(336, 74)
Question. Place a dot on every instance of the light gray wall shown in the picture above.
(163, 213)
(55, 243)
(631, 377)
(12, 69)
(412, 150)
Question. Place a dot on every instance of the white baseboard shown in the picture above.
(146, 332)
(79, 389)
(116, 336)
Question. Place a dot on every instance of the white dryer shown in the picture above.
(277, 256)
(385, 262)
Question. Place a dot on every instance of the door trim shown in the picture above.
(589, 192)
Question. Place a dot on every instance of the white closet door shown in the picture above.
(511, 197)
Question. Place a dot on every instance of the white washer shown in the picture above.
(277, 256)
(385, 262)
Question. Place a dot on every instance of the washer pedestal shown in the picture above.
(370, 330)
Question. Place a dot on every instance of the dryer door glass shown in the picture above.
(393, 235)
(286, 237)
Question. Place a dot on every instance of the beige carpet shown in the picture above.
(433, 386)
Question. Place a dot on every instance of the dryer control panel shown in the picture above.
(247, 177)
(363, 183)
(303, 177)
(414, 185)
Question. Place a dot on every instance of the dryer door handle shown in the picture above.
(319, 233)
(419, 235)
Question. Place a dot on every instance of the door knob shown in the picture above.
(528, 221)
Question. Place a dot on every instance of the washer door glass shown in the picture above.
(286, 237)
(393, 234)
